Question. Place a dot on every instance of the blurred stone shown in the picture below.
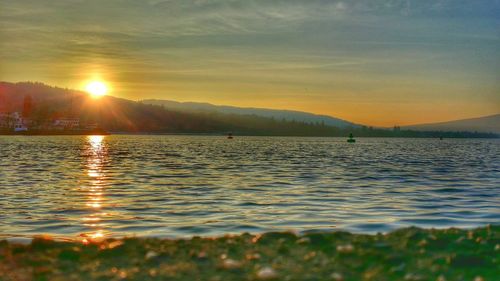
(304, 240)
(151, 254)
(267, 273)
(254, 256)
(231, 264)
(337, 276)
(202, 255)
(348, 248)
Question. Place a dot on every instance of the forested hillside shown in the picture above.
(121, 115)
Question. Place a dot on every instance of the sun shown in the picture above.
(96, 89)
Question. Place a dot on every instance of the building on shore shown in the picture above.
(17, 121)
(28, 120)
(14, 121)
(66, 124)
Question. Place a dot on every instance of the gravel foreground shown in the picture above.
(405, 254)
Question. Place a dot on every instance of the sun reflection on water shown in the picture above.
(97, 158)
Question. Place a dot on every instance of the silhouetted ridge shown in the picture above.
(121, 115)
(485, 124)
(286, 115)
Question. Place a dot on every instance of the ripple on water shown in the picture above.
(173, 186)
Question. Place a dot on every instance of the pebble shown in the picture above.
(151, 254)
(345, 248)
(115, 244)
(231, 264)
(304, 240)
(337, 276)
(309, 255)
(153, 272)
(122, 274)
(256, 238)
(255, 256)
(267, 273)
(202, 255)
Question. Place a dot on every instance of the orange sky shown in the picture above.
(377, 62)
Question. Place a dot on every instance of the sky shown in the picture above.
(374, 62)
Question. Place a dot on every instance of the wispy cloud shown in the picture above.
(209, 47)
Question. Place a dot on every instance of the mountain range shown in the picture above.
(287, 115)
(122, 115)
(163, 116)
(486, 124)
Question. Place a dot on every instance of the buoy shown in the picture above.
(351, 138)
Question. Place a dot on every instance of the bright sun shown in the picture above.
(96, 89)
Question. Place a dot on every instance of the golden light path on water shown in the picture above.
(97, 158)
(97, 187)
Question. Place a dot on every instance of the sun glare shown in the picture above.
(96, 89)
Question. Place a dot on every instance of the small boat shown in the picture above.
(230, 136)
(351, 138)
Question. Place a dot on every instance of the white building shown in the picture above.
(66, 123)
(20, 123)
(13, 120)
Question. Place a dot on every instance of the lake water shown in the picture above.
(177, 186)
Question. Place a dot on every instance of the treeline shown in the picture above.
(260, 126)
(121, 115)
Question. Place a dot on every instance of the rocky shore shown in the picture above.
(405, 254)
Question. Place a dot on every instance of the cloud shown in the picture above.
(286, 45)
(195, 17)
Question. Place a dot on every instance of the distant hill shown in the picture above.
(287, 115)
(114, 114)
(122, 115)
(486, 124)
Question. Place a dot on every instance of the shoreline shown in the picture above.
(404, 254)
(55, 133)
(105, 133)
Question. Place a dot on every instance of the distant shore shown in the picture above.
(54, 132)
(103, 132)
(405, 254)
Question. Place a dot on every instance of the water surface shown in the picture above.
(175, 186)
